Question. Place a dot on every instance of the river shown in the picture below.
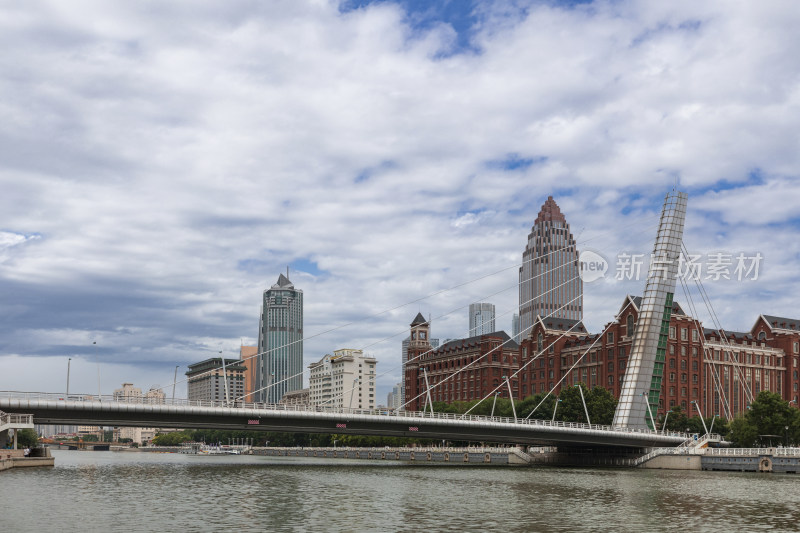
(139, 491)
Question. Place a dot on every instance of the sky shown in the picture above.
(162, 163)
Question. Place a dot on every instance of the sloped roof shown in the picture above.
(475, 340)
(637, 303)
(418, 320)
(782, 323)
(283, 283)
(562, 324)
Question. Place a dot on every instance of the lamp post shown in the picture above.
(224, 377)
(494, 402)
(511, 398)
(697, 406)
(99, 396)
(644, 394)
(583, 401)
(174, 381)
(786, 443)
(558, 400)
(69, 361)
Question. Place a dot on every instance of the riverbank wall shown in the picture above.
(17, 459)
(417, 455)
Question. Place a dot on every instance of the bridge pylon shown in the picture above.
(645, 370)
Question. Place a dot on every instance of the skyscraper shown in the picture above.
(280, 342)
(549, 278)
(481, 319)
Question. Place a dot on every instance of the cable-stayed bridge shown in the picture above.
(631, 426)
(49, 408)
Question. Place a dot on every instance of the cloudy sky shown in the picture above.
(162, 162)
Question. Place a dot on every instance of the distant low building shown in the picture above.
(296, 397)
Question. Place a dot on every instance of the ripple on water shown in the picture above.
(98, 491)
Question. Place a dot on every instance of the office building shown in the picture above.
(549, 278)
(279, 367)
(248, 356)
(481, 319)
(344, 379)
(206, 382)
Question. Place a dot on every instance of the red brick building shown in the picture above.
(460, 370)
(723, 371)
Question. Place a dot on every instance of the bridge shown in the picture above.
(48, 408)
(631, 427)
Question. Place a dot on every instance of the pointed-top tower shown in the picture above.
(549, 278)
(418, 344)
(280, 342)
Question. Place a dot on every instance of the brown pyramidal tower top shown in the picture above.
(550, 212)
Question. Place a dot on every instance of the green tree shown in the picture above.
(601, 404)
(27, 438)
(765, 422)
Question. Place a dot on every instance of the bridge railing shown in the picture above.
(787, 452)
(182, 402)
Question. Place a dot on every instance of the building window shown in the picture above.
(611, 366)
(694, 335)
(610, 380)
(539, 342)
(762, 335)
(672, 332)
(630, 326)
(610, 337)
(684, 334)
(797, 347)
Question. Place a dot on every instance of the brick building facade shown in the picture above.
(722, 371)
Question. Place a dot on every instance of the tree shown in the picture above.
(601, 404)
(765, 422)
(27, 438)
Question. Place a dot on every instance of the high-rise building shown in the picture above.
(248, 355)
(206, 382)
(515, 327)
(481, 319)
(279, 367)
(549, 278)
(393, 398)
(344, 379)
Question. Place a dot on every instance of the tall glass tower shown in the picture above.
(549, 278)
(280, 342)
(481, 319)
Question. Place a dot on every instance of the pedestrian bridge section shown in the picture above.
(49, 408)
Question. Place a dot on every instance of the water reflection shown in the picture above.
(98, 491)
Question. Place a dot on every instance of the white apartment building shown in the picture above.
(344, 379)
(129, 393)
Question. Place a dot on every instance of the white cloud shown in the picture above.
(156, 149)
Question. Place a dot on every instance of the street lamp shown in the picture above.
(585, 410)
(786, 428)
(69, 361)
(697, 406)
(558, 400)
(174, 381)
(494, 402)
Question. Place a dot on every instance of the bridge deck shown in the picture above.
(93, 410)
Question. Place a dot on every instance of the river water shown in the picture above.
(139, 491)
